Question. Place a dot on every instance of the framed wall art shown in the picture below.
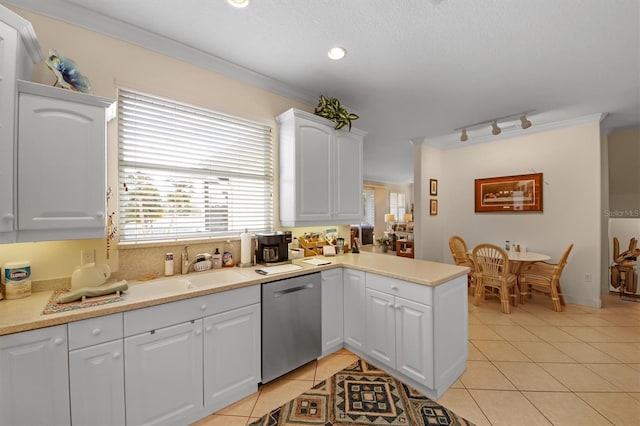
(433, 186)
(433, 207)
(519, 193)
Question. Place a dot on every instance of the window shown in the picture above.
(397, 205)
(187, 173)
(369, 201)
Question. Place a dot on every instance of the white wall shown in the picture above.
(570, 160)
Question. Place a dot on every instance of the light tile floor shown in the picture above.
(532, 367)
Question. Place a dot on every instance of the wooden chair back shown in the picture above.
(459, 251)
(491, 261)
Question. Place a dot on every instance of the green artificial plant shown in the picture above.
(330, 108)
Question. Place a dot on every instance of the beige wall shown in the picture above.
(624, 172)
(569, 158)
(110, 64)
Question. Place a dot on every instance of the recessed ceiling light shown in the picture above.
(238, 3)
(336, 53)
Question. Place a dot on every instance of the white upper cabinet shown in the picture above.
(61, 164)
(19, 50)
(320, 171)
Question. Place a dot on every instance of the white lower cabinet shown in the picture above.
(418, 332)
(163, 374)
(355, 325)
(381, 327)
(186, 359)
(414, 340)
(96, 371)
(96, 382)
(34, 378)
(332, 310)
(399, 334)
(231, 356)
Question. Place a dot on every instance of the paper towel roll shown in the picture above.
(245, 249)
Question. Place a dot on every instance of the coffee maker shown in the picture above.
(273, 247)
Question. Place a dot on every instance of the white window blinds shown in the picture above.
(397, 205)
(369, 199)
(187, 173)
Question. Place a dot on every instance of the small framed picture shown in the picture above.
(433, 186)
(433, 210)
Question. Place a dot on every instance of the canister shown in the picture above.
(17, 280)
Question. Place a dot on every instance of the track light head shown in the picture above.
(495, 129)
(524, 123)
(464, 136)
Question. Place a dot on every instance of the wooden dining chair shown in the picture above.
(492, 264)
(544, 277)
(460, 254)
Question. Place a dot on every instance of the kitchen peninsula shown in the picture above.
(404, 315)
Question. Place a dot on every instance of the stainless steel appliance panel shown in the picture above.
(291, 324)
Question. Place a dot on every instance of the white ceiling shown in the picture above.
(415, 69)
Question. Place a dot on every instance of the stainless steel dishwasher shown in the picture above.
(291, 324)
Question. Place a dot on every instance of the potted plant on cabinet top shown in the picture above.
(331, 109)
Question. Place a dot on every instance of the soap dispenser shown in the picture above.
(217, 259)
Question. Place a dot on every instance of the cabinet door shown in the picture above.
(34, 378)
(314, 193)
(381, 329)
(231, 356)
(332, 311)
(347, 177)
(8, 53)
(163, 374)
(354, 309)
(96, 375)
(414, 340)
(61, 167)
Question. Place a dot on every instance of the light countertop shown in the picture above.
(26, 314)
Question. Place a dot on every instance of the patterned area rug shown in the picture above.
(361, 395)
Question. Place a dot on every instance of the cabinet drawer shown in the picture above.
(94, 331)
(155, 317)
(415, 292)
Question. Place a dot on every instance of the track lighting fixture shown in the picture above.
(507, 120)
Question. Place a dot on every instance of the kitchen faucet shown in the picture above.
(202, 262)
(185, 261)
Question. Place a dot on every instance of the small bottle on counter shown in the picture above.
(227, 255)
(168, 264)
(507, 246)
(217, 259)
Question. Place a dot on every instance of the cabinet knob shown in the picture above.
(198, 332)
(58, 341)
(203, 307)
(96, 331)
(208, 328)
(99, 215)
(8, 216)
(394, 288)
(116, 355)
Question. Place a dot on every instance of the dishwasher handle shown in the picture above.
(292, 290)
